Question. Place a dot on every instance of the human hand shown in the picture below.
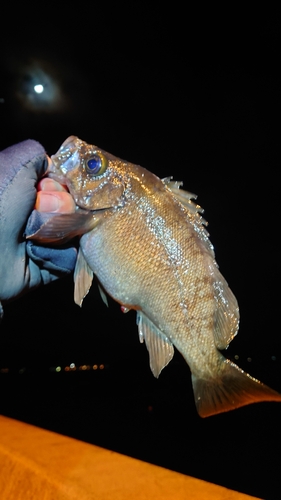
(23, 265)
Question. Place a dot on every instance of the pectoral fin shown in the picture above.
(62, 228)
(160, 348)
(83, 277)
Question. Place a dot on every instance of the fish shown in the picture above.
(145, 241)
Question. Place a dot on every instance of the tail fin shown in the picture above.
(232, 389)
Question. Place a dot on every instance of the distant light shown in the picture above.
(58, 368)
(236, 356)
(72, 365)
(273, 358)
(249, 360)
(38, 88)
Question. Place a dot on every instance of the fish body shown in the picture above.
(146, 242)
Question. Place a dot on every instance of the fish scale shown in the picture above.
(145, 240)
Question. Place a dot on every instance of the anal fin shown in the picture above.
(160, 348)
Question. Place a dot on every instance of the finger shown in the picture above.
(48, 184)
(55, 202)
(50, 163)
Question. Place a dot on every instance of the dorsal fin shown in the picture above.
(226, 318)
(193, 210)
(160, 348)
(175, 187)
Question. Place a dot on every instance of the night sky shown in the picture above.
(195, 96)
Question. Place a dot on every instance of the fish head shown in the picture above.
(94, 178)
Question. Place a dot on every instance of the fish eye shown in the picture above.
(96, 164)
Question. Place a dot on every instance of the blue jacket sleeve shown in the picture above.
(24, 266)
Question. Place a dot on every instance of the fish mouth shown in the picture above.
(68, 146)
(66, 158)
(72, 139)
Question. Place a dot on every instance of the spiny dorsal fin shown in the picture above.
(83, 277)
(185, 195)
(160, 348)
(194, 211)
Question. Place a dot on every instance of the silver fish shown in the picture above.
(146, 242)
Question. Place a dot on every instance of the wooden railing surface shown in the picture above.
(39, 464)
